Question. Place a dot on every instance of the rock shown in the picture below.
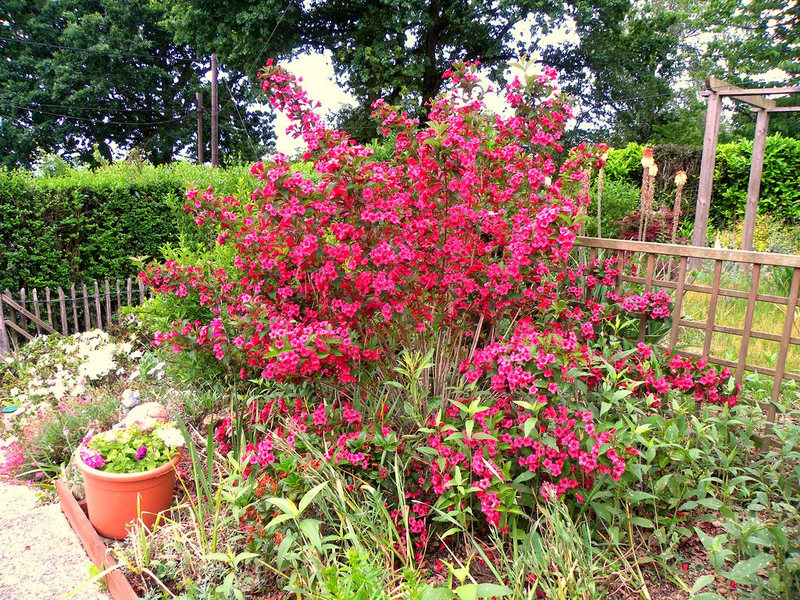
(210, 421)
(130, 399)
(144, 416)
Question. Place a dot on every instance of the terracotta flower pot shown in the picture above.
(114, 499)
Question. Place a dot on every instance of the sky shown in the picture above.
(319, 81)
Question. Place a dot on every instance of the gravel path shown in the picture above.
(41, 558)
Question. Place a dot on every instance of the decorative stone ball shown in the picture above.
(145, 416)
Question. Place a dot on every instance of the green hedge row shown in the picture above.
(780, 192)
(86, 225)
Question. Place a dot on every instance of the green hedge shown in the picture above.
(86, 225)
(780, 181)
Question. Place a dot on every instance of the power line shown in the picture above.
(180, 118)
(99, 108)
(241, 120)
(92, 50)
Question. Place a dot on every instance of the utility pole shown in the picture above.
(214, 113)
(199, 128)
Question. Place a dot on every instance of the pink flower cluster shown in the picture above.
(332, 272)
(561, 450)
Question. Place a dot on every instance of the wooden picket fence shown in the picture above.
(39, 312)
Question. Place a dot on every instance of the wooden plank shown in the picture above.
(21, 306)
(780, 366)
(86, 316)
(130, 292)
(115, 581)
(12, 318)
(748, 323)
(26, 313)
(754, 183)
(712, 309)
(22, 331)
(648, 285)
(35, 301)
(62, 306)
(108, 303)
(74, 298)
(141, 293)
(118, 300)
(97, 313)
(48, 302)
(5, 346)
(705, 289)
(732, 365)
(753, 97)
(706, 182)
(676, 310)
(783, 109)
(738, 256)
(760, 335)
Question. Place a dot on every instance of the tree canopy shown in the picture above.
(81, 74)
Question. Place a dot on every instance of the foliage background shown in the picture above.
(85, 225)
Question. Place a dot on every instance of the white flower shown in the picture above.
(171, 437)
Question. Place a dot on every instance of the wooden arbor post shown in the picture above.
(716, 90)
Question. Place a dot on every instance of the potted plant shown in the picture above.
(129, 473)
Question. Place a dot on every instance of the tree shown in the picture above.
(80, 74)
(755, 42)
(624, 65)
(394, 49)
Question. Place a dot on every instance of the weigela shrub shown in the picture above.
(459, 243)
(337, 274)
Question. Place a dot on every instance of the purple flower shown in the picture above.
(141, 452)
(92, 458)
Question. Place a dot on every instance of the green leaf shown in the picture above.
(637, 496)
(310, 495)
(279, 519)
(310, 527)
(701, 583)
(285, 505)
(745, 570)
(488, 590)
(439, 593)
(468, 591)
(642, 522)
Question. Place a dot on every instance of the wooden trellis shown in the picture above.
(716, 90)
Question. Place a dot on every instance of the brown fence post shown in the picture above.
(49, 308)
(108, 304)
(86, 317)
(23, 322)
(62, 306)
(35, 300)
(97, 311)
(4, 344)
